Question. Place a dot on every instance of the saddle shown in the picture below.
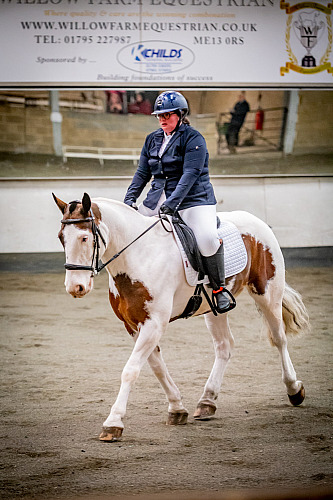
(189, 244)
(190, 247)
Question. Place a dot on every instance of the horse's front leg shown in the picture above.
(223, 344)
(148, 338)
(177, 412)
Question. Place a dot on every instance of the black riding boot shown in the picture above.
(214, 266)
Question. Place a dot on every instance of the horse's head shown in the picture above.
(78, 235)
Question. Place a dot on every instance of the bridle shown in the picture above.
(96, 267)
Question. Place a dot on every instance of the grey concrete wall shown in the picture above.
(29, 129)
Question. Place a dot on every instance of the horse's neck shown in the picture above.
(122, 223)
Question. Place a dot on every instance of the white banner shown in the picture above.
(166, 43)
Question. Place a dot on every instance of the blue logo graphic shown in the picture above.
(141, 53)
(155, 56)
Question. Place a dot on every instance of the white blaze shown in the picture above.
(79, 244)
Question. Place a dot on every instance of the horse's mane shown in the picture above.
(121, 208)
(116, 203)
(110, 200)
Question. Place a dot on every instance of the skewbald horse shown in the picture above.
(148, 289)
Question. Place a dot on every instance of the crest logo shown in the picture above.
(308, 37)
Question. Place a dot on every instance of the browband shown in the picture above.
(77, 221)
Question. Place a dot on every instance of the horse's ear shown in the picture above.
(86, 203)
(61, 204)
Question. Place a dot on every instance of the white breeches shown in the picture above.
(201, 219)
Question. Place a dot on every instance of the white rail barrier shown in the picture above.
(101, 154)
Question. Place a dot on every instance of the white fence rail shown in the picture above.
(101, 154)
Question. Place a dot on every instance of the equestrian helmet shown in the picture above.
(170, 101)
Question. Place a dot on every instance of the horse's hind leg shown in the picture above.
(177, 413)
(271, 306)
(223, 343)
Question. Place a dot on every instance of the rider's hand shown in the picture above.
(164, 209)
(134, 205)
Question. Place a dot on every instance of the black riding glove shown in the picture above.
(164, 209)
(131, 204)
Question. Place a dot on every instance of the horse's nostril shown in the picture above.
(79, 289)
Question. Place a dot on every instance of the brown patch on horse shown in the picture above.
(130, 306)
(96, 212)
(260, 268)
(74, 210)
(257, 273)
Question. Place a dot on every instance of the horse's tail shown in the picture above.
(295, 315)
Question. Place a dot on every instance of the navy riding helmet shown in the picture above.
(170, 101)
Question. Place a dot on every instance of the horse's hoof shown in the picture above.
(110, 434)
(204, 411)
(177, 418)
(298, 398)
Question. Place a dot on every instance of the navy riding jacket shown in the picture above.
(181, 172)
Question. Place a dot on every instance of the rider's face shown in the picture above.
(168, 122)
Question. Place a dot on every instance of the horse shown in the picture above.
(148, 290)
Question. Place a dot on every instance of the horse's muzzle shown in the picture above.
(79, 288)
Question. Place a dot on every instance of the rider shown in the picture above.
(176, 157)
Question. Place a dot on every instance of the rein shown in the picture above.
(95, 269)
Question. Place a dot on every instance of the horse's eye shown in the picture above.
(84, 239)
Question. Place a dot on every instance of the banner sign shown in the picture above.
(166, 43)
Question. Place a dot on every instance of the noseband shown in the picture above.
(96, 268)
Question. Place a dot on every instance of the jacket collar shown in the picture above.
(160, 136)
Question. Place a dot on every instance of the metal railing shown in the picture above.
(271, 136)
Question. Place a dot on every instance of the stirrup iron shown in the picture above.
(232, 302)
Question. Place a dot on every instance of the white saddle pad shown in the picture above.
(235, 256)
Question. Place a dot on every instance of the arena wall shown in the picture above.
(33, 221)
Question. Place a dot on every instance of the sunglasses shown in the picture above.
(164, 116)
